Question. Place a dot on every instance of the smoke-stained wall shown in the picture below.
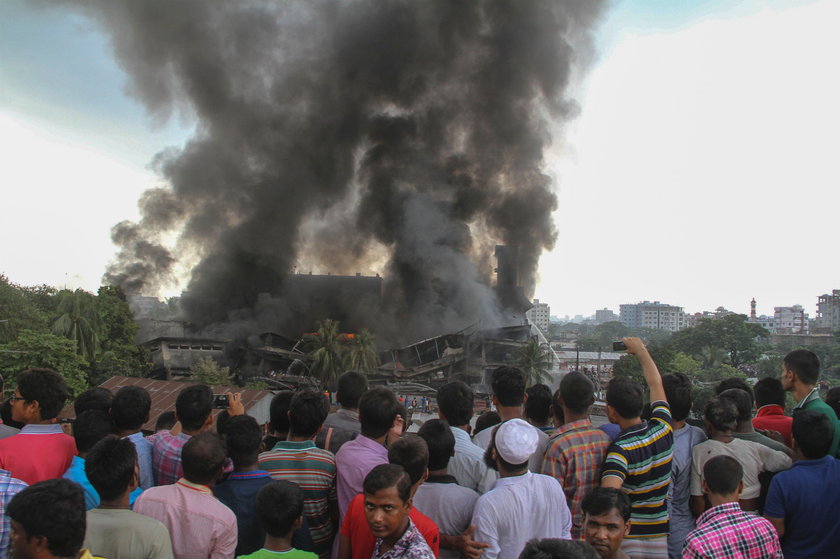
(401, 137)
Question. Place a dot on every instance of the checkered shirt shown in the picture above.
(166, 457)
(727, 532)
(9, 487)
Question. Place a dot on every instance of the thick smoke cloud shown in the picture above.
(337, 135)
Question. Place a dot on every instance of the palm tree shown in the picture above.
(79, 322)
(326, 354)
(535, 360)
(361, 355)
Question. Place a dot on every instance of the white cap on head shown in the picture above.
(516, 441)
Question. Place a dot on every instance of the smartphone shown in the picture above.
(220, 402)
(619, 346)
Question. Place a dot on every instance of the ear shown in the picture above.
(495, 400)
(740, 487)
(627, 528)
(208, 423)
(425, 476)
(705, 487)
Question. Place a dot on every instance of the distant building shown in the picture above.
(605, 315)
(790, 320)
(828, 312)
(654, 315)
(539, 315)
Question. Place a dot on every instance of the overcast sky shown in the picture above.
(701, 171)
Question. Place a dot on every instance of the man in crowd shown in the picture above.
(521, 505)
(606, 521)
(113, 530)
(96, 398)
(5, 430)
(640, 458)
(280, 510)
(576, 451)
(200, 525)
(508, 396)
(129, 411)
(802, 501)
(455, 405)
(343, 425)
(553, 548)
(278, 423)
(377, 416)
(770, 405)
(725, 530)
(537, 408)
(41, 450)
(800, 375)
(90, 427)
(300, 461)
(744, 429)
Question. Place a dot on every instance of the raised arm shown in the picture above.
(636, 346)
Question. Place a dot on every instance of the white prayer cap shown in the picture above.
(516, 441)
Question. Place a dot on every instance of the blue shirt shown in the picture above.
(144, 459)
(808, 497)
(76, 472)
(9, 487)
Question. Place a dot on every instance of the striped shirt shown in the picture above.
(313, 469)
(574, 457)
(641, 458)
(727, 532)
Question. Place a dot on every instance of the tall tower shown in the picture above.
(752, 310)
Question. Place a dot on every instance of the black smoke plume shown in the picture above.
(406, 137)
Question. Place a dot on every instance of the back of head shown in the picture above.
(678, 392)
(94, 399)
(130, 408)
(45, 386)
(723, 474)
(384, 476)
(486, 420)
(735, 382)
(721, 414)
(813, 433)
(832, 399)
(279, 411)
(743, 402)
(577, 392)
(203, 457)
(509, 386)
(377, 411)
(455, 402)
(412, 453)
(110, 466)
(90, 427)
(551, 548)
(242, 436)
(55, 510)
(307, 412)
(165, 420)
(626, 397)
(351, 386)
(279, 505)
(601, 500)
(805, 364)
(193, 406)
(440, 442)
(538, 404)
(769, 391)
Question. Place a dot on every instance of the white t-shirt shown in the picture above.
(753, 457)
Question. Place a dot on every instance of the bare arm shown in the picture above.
(697, 504)
(636, 347)
(611, 481)
(464, 544)
(778, 524)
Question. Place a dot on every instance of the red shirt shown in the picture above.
(773, 417)
(37, 453)
(362, 541)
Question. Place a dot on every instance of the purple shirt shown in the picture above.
(355, 459)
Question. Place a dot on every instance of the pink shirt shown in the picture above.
(200, 525)
(37, 453)
(354, 460)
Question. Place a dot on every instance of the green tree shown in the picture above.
(732, 333)
(17, 312)
(207, 371)
(628, 366)
(38, 349)
(361, 353)
(120, 355)
(682, 363)
(326, 352)
(535, 359)
(79, 321)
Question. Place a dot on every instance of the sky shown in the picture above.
(700, 171)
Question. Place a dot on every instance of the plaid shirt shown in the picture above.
(9, 487)
(574, 457)
(166, 457)
(727, 532)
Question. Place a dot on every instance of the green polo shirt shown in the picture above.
(813, 402)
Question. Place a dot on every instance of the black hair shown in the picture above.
(221, 421)
(577, 392)
(678, 393)
(110, 466)
(440, 441)
(722, 414)
(805, 364)
(45, 386)
(130, 408)
(384, 476)
(166, 420)
(769, 391)
(96, 398)
(279, 412)
(626, 397)
(509, 386)
(90, 427)
(6, 415)
(742, 402)
(538, 405)
(602, 500)
(377, 411)
(832, 399)
(723, 474)
(351, 386)
(203, 457)
(485, 420)
(193, 406)
(455, 402)
(279, 504)
(557, 406)
(243, 437)
(552, 548)
(813, 433)
(412, 453)
(735, 382)
(307, 412)
(53, 509)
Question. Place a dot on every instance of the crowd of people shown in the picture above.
(534, 479)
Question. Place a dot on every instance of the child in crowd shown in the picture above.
(280, 510)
